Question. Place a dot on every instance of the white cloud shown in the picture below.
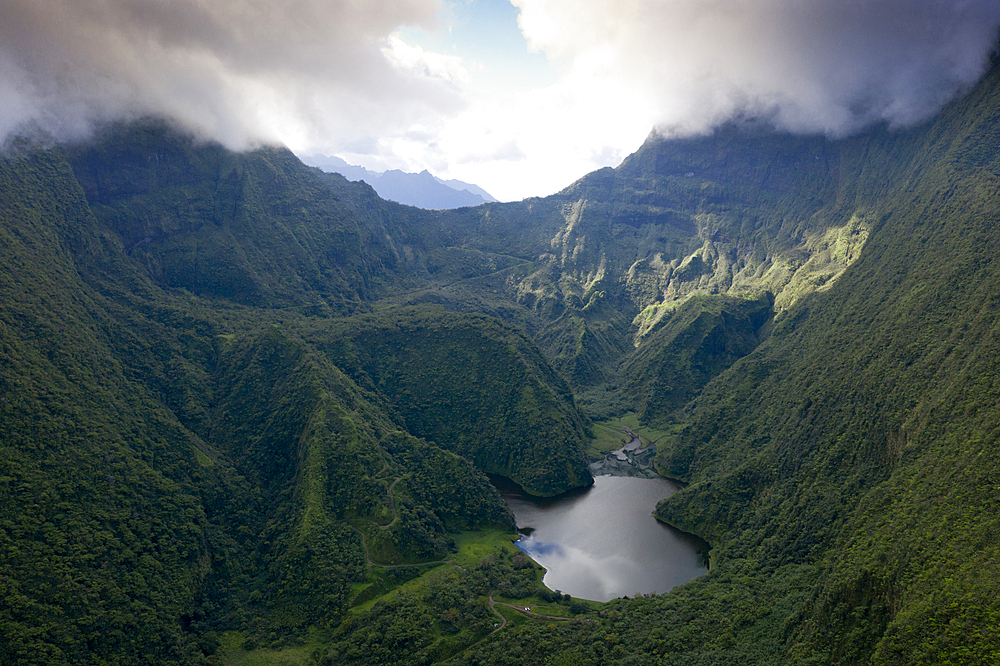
(425, 63)
(830, 66)
(335, 76)
(536, 142)
(240, 71)
(809, 65)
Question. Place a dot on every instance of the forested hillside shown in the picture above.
(177, 465)
(246, 406)
(845, 471)
(471, 383)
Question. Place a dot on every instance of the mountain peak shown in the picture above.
(423, 190)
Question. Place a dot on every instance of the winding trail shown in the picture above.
(381, 454)
(392, 503)
(364, 545)
(503, 623)
(373, 563)
(503, 619)
(523, 610)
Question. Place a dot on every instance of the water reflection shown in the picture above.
(603, 542)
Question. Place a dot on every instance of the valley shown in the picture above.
(219, 370)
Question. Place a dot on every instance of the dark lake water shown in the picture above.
(604, 542)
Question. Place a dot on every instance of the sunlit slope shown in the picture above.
(863, 434)
(741, 212)
(703, 336)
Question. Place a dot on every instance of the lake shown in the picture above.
(603, 542)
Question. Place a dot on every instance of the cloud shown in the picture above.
(508, 151)
(239, 71)
(336, 76)
(831, 66)
(425, 63)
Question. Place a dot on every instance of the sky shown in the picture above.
(520, 97)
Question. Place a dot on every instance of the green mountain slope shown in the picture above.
(103, 537)
(740, 213)
(473, 385)
(172, 467)
(845, 470)
(700, 339)
(256, 228)
(219, 371)
(863, 434)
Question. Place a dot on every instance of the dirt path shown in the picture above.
(503, 623)
(392, 503)
(395, 517)
(372, 563)
(381, 454)
(364, 545)
(503, 620)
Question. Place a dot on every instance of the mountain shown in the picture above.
(843, 470)
(178, 457)
(413, 189)
(460, 185)
(246, 406)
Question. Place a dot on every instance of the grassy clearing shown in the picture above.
(647, 434)
(387, 581)
(232, 652)
(555, 610)
(513, 617)
(609, 435)
(477, 544)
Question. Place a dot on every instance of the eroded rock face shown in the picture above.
(740, 213)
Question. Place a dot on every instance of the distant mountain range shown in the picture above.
(422, 190)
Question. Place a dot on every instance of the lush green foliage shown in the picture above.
(239, 399)
(262, 231)
(471, 384)
(700, 339)
(171, 468)
(862, 435)
(435, 618)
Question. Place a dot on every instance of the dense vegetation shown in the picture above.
(875, 456)
(472, 384)
(703, 337)
(172, 467)
(244, 404)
